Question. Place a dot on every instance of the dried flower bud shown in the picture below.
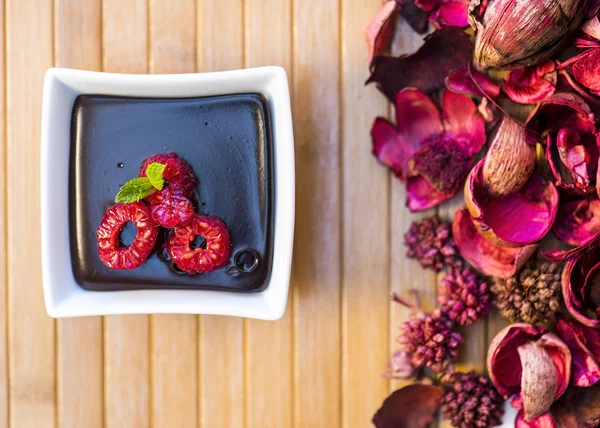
(515, 33)
(510, 160)
(531, 364)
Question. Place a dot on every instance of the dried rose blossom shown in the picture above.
(400, 366)
(430, 340)
(581, 287)
(430, 242)
(471, 400)
(544, 421)
(380, 31)
(584, 343)
(463, 296)
(446, 13)
(510, 160)
(532, 296)
(433, 154)
(531, 364)
(578, 221)
(413, 406)
(513, 33)
(460, 81)
(520, 218)
(488, 258)
(531, 85)
(568, 126)
(426, 69)
(579, 408)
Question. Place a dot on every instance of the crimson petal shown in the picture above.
(585, 70)
(390, 148)
(422, 195)
(417, 117)
(413, 406)
(531, 85)
(460, 81)
(544, 421)
(577, 221)
(463, 121)
(380, 31)
(584, 343)
(575, 277)
(451, 13)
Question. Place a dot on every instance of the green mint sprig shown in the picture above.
(138, 188)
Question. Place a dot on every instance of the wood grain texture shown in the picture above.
(220, 44)
(3, 234)
(29, 45)
(268, 351)
(126, 337)
(316, 266)
(78, 44)
(174, 338)
(365, 258)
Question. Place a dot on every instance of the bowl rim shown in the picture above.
(62, 295)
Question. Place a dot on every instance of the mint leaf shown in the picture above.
(154, 172)
(135, 190)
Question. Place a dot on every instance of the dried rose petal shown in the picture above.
(521, 218)
(531, 85)
(461, 82)
(581, 287)
(416, 17)
(509, 161)
(442, 52)
(531, 364)
(515, 33)
(444, 13)
(486, 257)
(413, 406)
(584, 343)
(577, 221)
(585, 67)
(380, 31)
(579, 408)
(544, 421)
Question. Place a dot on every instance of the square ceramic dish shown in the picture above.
(63, 295)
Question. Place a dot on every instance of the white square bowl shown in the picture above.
(63, 296)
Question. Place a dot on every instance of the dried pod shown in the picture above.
(520, 218)
(581, 287)
(509, 161)
(584, 343)
(515, 33)
(488, 258)
(531, 364)
(577, 221)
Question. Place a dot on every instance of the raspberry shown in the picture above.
(172, 210)
(111, 252)
(213, 256)
(178, 174)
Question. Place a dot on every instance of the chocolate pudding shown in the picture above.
(225, 139)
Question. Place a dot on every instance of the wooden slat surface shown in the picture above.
(322, 364)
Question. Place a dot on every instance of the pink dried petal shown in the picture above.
(561, 110)
(417, 117)
(538, 380)
(488, 258)
(442, 52)
(575, 277)
(503, 361)
(380, 31)
(544, 421)
(584, 343)
(390, 148)
(585, 70)
(413, 406)
(463, 122)
(421, 195)
(521, 218)
(532, 85)
(577, 221)
(460, 81)
(451, 13)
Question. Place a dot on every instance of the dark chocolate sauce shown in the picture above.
(226, 140)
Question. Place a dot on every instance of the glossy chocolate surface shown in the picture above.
(226, 140)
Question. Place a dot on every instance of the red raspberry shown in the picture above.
(178, 173)
(173, 210)
(110, 250)
(197, 260)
